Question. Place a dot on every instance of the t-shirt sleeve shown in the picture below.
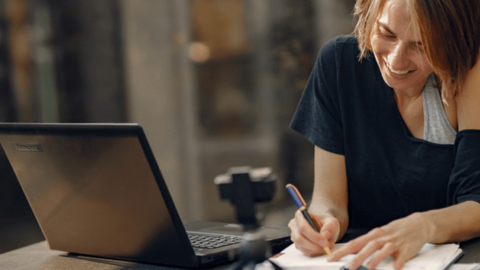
(464, 183)
(318, 115)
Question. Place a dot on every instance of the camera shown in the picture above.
(244, 187)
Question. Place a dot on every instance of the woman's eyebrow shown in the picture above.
(384, 26)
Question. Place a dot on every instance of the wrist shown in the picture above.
(428, 226)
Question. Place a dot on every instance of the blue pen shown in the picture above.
(302, 206)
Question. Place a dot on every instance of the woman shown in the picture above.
(396, 134)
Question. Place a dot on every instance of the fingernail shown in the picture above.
(352, 266)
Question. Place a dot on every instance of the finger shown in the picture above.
(350, 248)
(366, 252)
(305, 245)
(387, 250)
(292, 224)
(330, 231)
(325, 240)
(399, 261)
(307, 231)
(318, 251)
(355, 245)
(302, 243)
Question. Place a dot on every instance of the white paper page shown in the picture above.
(293, 259)
(430, 257)
(465, 266)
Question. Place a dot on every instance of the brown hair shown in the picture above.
(449, 31)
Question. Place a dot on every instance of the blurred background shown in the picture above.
(214, 83)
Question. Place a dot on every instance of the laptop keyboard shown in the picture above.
(213, 241)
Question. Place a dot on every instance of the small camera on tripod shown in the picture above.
(244, 187)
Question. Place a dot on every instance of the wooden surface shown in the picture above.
(39, 256)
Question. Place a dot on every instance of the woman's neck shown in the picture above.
(410, 106)
(407, 98)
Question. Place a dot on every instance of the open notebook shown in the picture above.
(430, 257)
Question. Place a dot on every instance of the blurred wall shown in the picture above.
(60, 61)
(214, 83)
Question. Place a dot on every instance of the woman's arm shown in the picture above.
(463, 221)
(403, 238)
(456, 223)
(330, 194)
(328, 207)
(468, 101)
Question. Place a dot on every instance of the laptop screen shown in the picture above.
(97, 190)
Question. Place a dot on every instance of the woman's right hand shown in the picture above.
(309, 241)
(328, 206)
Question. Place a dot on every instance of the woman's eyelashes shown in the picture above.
(417, 46)
(385, 33)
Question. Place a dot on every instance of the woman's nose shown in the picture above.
(398, 57)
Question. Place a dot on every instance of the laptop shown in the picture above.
(96, 189)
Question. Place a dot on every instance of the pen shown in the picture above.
(302, 206)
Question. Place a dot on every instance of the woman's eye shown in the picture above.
(418, 47)
(386, 34)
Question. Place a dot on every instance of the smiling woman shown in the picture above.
(448, 34)
(390, 157)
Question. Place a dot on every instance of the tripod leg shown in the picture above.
(251, 266)
(276, 266)
(243, 264)
(238, 265)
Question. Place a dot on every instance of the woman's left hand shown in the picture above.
(402, 239)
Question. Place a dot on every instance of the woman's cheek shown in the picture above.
(378, 45)
(425, 65)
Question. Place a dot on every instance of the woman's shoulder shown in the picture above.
(343, 40)
(340, 45)
(340, 55)
(343, 50)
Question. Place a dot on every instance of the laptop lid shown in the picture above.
(96, 189)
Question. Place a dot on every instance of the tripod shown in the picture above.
(254, 250)
(243, 194)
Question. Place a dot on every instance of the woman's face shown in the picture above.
(398, 49)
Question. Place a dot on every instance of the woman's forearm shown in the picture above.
(459, 222)
(330, 193)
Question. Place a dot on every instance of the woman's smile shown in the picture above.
(399, 72)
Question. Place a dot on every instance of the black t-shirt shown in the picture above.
(348, 109)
